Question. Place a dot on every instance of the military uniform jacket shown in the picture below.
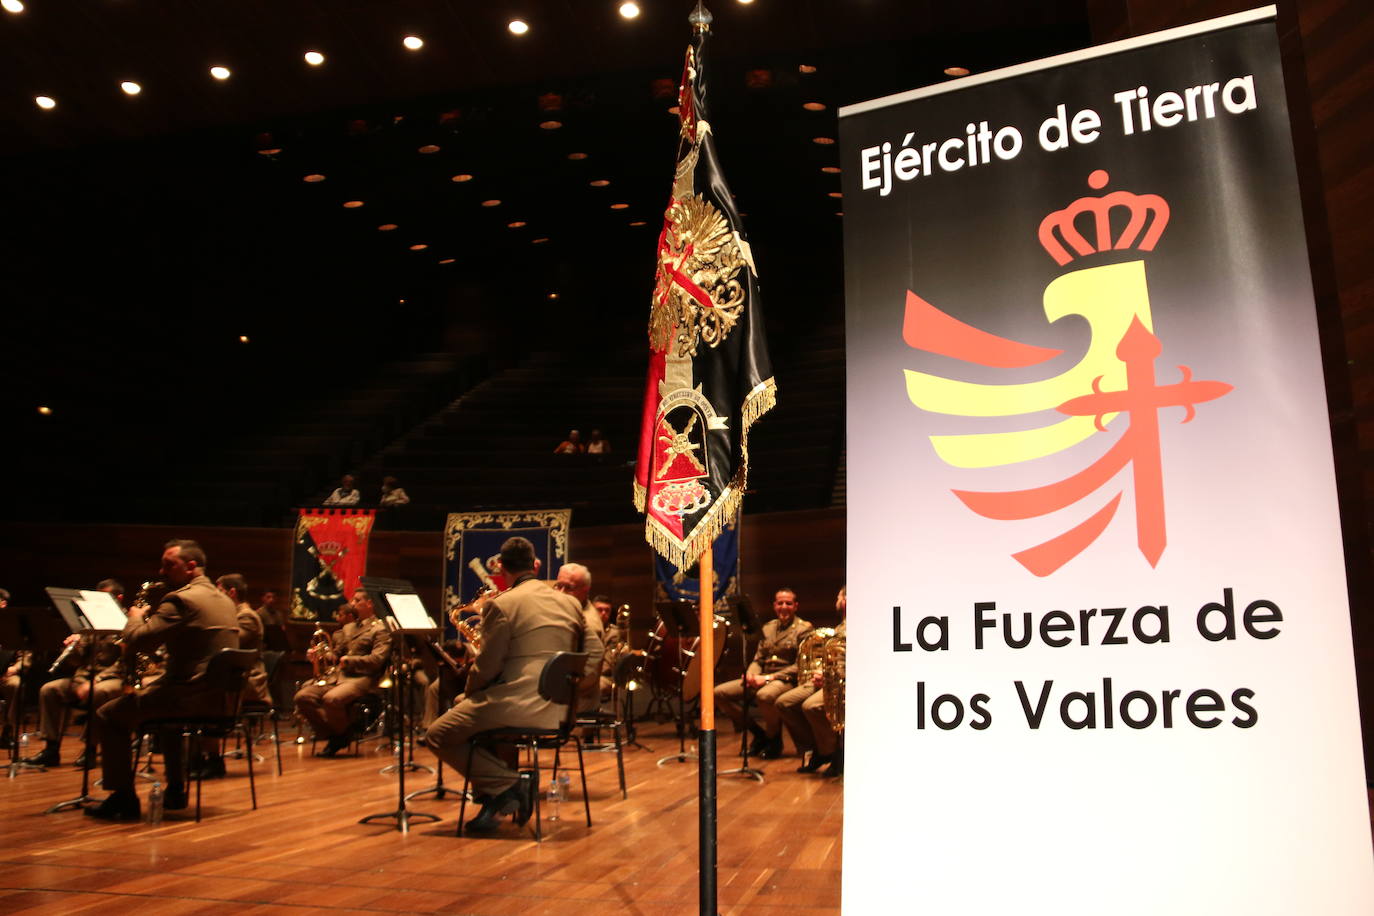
(194, 623)
(521, 630)
(367, 645)
(249, 626)
(777, 651)
(613, 638)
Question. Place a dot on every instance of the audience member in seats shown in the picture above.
(71, 686)
(522, 628)
(194, 621)
(573, 445)
(576, 580)
(393, 494)
(803, 712)
(346, 494)
(772, 673)
(359, 655)
(596, 445)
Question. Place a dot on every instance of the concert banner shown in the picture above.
(328, 558)
(1100, 651)
(673, 584)
(472, 543)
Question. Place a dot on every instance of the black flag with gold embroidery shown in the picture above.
(709, 373)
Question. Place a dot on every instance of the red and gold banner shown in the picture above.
(330, 556)
(709, 374)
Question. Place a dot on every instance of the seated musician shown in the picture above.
(614, 638)
(522, 629)
(772, 673)
(193, 622)
(71, 685)
(803, 712)
(359, 654)
(575, 580)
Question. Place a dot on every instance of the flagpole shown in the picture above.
(706, 743)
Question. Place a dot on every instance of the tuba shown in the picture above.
(810, 654)
(832, 679)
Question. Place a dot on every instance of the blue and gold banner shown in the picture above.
(673, 584)
(472, 542)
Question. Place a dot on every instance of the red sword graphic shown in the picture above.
(1141, 401)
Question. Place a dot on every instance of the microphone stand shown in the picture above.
(744, 769)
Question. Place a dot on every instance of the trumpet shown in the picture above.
(319, 649)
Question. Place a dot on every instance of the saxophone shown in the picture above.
(832, 679)
(137, 664)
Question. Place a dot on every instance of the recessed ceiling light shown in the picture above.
(413, 42)
(220, 73)
(352, 204)
(418, 246)
(314, 58)
(447, 260)
(269, 151)
(429, 148)
(745, 2)
(45, 102)
(956, 71)
(620, 206)
(553, 295)
(401, 301)
(518, 26)
(539, 241)
(830, 169)
(805, 68)
(835, 194)
(386, 227)
(639, 222)
(577, 157)
(12, 6)
(839, 213)
(491, 203)
(550, 125)
(462, 178)
(45, 411)
(314, 178)
(130, 87)
(243, 338)
(629, 10)
(517, 224)
(599, 183)
(814, 106)
(823, 141)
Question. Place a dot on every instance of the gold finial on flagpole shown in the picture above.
(700, 18)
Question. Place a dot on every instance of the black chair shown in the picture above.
(629, 667)
(255, 714)
(226, 673)
(558, 684)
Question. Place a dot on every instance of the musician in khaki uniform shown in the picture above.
(772, 673)
(194, 621)
(575, 580)
(360, 652)
(803, 712)
(522, 629)
(613, 638)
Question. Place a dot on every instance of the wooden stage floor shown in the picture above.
(303, 849)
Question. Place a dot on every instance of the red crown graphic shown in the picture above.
(1140, 207)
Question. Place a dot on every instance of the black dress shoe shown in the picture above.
(119, 806)
(836, 767)
(508, 802)
(174, 799)
(331, 747)
(48, 757)
(814, 764)
(80, 762)
(771, 750)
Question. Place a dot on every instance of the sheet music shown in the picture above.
(101, 610)
(410, 612)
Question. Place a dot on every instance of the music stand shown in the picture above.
(91, 614)
(748, 626)
(680, 615)
(404, 614)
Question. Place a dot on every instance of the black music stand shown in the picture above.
(86, 615)
(680, 616)
(439, 790)
(748, 626)
(404, 615)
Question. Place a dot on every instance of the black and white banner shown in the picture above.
(1100, 656)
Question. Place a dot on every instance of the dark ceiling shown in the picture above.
(143, 235)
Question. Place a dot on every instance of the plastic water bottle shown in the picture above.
(564, 785)
(555, 796)
(154, 813)
(23, 745)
